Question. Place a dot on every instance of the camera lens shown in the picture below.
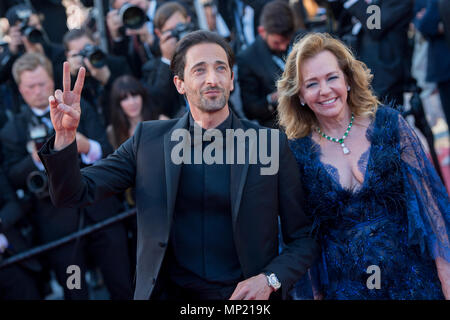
(132, 16)
(37, 182)
(33, 35)
(97, 59)
(95, 55)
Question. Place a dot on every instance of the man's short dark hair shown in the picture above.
(166, 10)
(191, 39)
(277, 18)
(76, 34)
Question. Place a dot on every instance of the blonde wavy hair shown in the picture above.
(298, 120)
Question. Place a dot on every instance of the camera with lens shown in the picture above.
(94, 54)
(33, 34)
(132, 16)
(37, 181)
(182, 29)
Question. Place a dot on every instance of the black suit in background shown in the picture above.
(107, 248)
(158, 79)
(98, 95)
(144, 161)
(257, 76)
(385, 51)
(18, 281)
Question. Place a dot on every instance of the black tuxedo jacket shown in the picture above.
(257, 76)
(145, 162)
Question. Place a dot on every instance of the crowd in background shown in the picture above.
(127, 48)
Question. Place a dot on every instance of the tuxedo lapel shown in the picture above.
(172, 170)
(238, 175)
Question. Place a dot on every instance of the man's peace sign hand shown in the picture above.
(65, 108)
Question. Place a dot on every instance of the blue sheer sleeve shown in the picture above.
(428, 206)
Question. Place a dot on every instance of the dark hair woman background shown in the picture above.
(130, 104)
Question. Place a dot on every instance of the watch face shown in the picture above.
(273, 281)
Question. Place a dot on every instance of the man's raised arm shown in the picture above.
(68, 185)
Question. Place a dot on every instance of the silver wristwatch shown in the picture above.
(273, 281)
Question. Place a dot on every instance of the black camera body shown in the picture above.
(33, 34)
(182, 29)
(37, 181)
(132, 16)
(94, 54)
(39, 135)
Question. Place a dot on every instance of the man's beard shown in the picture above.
(210, 105)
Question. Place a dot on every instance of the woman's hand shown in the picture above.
(443, 269)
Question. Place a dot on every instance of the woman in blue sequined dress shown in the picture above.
(380, 212)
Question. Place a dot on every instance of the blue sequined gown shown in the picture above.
(398, 219)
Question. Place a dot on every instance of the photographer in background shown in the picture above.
(172, 22)
(21, 139)
(260, 65)
(26, 35)
(18, 281)
(102, 69)
(130, 25)
(47, 10)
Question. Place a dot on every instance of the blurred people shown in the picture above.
(376, 201)
(260, 65)
(47, 10)
(242, 19)
(171, 24)
(103, 69)
(384, 50)
(21, 139)
(137, 45)
(18, 281)
(26, 35)
(427, 21)
(130, 105)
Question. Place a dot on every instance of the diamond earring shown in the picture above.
(348, 88)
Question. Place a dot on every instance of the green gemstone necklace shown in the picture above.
(340, 141)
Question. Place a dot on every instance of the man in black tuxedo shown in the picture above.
(262, 63)
(21, 137)
(205, 231)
